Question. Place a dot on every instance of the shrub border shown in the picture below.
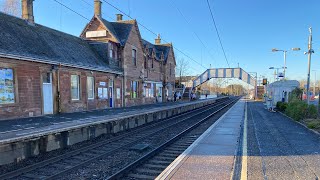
(314, 131)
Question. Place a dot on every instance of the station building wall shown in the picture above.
(28, 79)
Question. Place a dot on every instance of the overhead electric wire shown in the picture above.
(188, 22)
(86, 2)
(154, 33)
(71, 9)
(111, 18)
(215, 26)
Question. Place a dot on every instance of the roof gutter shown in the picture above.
(47, 61)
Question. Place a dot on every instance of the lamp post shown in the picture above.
(276, 71)
(285, 58)
(310, 51)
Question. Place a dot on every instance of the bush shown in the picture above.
(297, 110)
(282, 106)
(314, 124)
(311, 125)
(312, 111)
(295, 95)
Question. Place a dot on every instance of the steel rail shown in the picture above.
(138, 162)
(58, 174)
(52, 160)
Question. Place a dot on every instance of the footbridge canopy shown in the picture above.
(238, 73)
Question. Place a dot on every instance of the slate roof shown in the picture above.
(122, 30)
(159, 49)
(43, 44)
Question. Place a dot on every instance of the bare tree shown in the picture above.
(302, 82)
(12, 7)
(182, 68)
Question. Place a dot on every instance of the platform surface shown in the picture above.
(12, 129)
(212, 155)
(279, 147)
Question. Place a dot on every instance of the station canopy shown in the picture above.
(237, 73)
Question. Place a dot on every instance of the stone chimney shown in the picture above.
(27, 10)
(119, 17)
(158, 40)
(97, 8)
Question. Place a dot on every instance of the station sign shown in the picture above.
(91, 34)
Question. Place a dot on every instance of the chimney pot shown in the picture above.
(27, 10)
(158, 40)
(97, 8)
(119, 17)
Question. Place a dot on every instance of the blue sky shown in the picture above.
(249, 29)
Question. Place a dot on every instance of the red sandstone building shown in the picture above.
(44, 71)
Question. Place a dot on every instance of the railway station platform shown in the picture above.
(27, 137)
(213, 154)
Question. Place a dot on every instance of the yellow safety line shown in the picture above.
(244, 166)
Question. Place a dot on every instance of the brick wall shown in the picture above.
(132, 72)
(170, 60)
(27, 82)
(154, 73)
(68, 105)
(28, 86)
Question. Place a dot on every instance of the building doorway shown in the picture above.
(159, 92)
(111, 99)
(47, 96)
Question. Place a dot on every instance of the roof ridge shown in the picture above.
(37, 24)
(43, 43)
(112, 31)
(131, 21)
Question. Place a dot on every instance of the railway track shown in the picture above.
(59, 166)
(152, 164)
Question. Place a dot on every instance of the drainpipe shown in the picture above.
(58, 92)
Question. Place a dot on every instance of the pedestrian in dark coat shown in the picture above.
(175, 96)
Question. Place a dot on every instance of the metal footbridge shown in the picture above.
(238, 73)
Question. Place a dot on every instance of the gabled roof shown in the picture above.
(158, 49)
(43, 44)
(122, 30)
(109, 26)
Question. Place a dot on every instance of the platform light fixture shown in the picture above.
(285, 58)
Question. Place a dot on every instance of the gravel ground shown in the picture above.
(102, 167)
(108, 165)
(280, 148)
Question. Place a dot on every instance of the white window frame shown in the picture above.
(92, 94)
(78, 87)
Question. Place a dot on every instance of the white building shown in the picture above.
(279, 90)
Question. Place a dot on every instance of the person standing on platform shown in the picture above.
(175, 96)
(194, 96)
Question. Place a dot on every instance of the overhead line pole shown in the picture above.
(310, 51)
